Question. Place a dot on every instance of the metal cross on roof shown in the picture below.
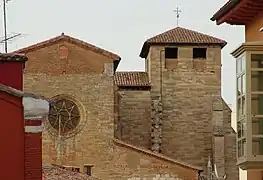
(177, 11)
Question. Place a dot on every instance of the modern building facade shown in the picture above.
(249, 73)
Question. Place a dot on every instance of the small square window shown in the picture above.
(75, 169)
(87, 169)
(171, 53)
(199, 53)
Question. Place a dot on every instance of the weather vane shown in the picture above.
(177, 11)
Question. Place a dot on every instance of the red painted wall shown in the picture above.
(33, 153)
(12, 137)
(11, 74)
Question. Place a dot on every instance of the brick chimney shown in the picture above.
(25, 153)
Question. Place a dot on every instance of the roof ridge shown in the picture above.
(72, 40)
(160, 156)
(181, 36)
(195, 31)
(190, 30)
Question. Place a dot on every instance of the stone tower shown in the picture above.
(190, 120)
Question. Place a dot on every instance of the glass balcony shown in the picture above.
(249, 98)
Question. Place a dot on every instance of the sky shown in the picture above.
(121, 26)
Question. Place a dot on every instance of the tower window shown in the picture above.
(87, 169)
(171, 53)
(199, 53)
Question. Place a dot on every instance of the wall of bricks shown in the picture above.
(158, 177)
(188, 89)
(135, 117)
(33, 156)
(97, 120)
(81, 78)
(134, 162)
(231, 169)
(94, 145)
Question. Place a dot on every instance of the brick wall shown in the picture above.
(189, 88)
(133, 162)
(33, 156)
(81, 78)
(231, 168)
(96, 98)
(187, 99)
(78, 61)
(135, 117)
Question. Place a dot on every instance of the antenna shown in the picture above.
(5, 27)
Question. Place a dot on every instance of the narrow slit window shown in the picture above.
(171, 53)
(199, 53)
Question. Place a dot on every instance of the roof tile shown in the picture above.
(51, 172)
(13, 57)
(131, 79)
(180, 35)
(72, 40)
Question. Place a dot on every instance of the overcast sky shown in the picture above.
(121, 26)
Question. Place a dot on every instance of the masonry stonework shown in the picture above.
(170, 119)
(189, 88)
(82, 77)
(135, 116)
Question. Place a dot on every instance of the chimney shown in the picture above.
(11, 70)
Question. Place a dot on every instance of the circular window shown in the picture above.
(64, 115)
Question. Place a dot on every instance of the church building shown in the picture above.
(169, 120)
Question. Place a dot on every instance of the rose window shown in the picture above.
(64, 116)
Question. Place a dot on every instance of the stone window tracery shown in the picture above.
(64, 115)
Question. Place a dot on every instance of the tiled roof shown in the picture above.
(72, 40)
(185, 36)
(181, 36)
(157, 155)
(51, 172)
(131, 79)
(230, 4)
(12, 57)
(18, 93)
(227, 6)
